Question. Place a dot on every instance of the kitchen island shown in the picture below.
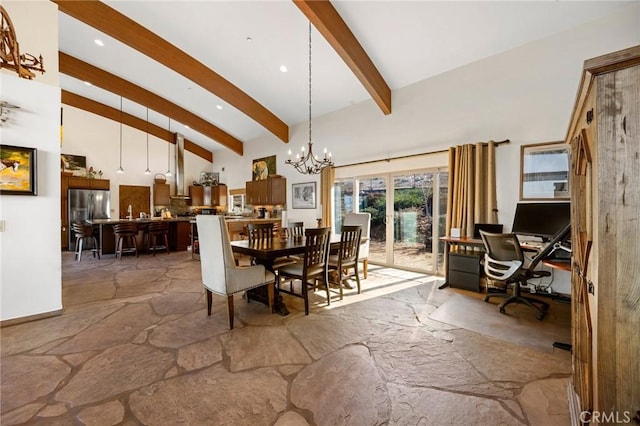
(179, 233)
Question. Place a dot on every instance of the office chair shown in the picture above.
(504, 261)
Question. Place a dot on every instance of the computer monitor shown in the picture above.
(542, 220)
(494, 228)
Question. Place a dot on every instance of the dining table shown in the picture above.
(266, 253)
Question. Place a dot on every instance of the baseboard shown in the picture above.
(29, 318)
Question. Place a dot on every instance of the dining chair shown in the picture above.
(364, 220)
(295, 229)
(220, 274)
(311, 269)
(126, 235)
(262, 235)
(84, 233)
(347, 257)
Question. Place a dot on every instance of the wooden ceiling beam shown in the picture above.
(81, 70)
(113, 23)
(330, 24)
(89, 105)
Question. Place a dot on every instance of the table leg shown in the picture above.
(446, 267)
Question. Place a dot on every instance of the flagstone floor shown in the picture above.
(135, 346)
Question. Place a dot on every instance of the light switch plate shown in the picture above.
(2, 225)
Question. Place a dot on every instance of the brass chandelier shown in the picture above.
(307, 162)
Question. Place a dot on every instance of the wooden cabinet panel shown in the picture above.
(99, 183)
(271, 191)
(76, 182)
(208, 195)
(604, 183)
(197, 195)
(161, 194)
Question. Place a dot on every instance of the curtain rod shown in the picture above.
(412, 155)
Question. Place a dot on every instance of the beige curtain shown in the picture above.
(327, 178)
(472, 187)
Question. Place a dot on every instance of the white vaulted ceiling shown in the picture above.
(407, 42)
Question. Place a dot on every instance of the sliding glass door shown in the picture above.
(407, 216)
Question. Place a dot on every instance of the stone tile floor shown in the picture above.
(135, 346)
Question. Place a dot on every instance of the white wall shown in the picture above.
(525, 95)
(30, 273)
(98, 139)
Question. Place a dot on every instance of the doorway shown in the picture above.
(408, 211)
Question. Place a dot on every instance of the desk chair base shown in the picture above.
(517, 298)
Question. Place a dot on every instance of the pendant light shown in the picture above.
(168, 174)
(147, 172)
(308, 163)
(120, 169)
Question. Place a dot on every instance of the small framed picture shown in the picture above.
(304, 195)
(209, 178)
(18, 171)
(544, 171)
(75, 164)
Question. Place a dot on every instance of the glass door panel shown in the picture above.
(441, 214)
(413, 221)
(343, 204)
(372, 198)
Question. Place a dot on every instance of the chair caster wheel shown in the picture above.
(502, 310)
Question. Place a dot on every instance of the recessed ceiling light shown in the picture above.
(249, 39)
(283, 68)
(88, 84)
(219, 106)
(98, 42)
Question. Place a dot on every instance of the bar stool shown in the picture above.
(126, 233)
(155, 232)
(84, 233)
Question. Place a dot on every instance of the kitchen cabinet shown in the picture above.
(270, 191)
(208, 195)
(74, 182)
(161, 194)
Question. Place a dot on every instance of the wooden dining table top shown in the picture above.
(278, 247)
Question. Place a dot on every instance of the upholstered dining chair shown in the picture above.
(364, 220)
(347, 257)
(220, 275)
(312, 267)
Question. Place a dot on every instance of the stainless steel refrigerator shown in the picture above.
(87, 204)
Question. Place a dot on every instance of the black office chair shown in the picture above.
(504, 261)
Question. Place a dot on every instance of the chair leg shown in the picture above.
(166, 242)
(305, 296)
(357, 274)
(209, 301)
(230, 310)
(365, 263)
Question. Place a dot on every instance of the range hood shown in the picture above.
(180, 183)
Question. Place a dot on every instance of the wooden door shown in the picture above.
(618, 230)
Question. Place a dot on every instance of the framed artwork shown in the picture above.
(304, 195)
(76, 164)
(18, 170)
(261, 168)
(209, 178)
(544, 171)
